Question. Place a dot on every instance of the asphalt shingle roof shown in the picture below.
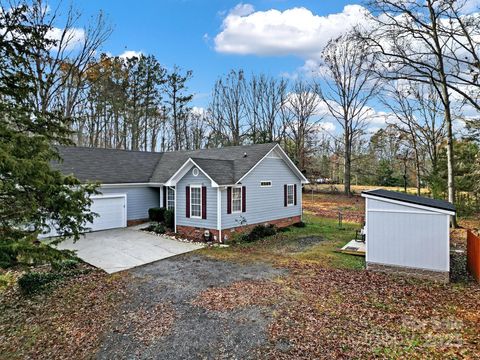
(418, 200)
(110, 166)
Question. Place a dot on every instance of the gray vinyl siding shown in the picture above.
(139, 199)
(265, 203)
(211, 221)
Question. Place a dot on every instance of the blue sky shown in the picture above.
(183, 32)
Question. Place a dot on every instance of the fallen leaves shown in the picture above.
(334, 313)
(146, 324)
(65, 323)
(237, 295)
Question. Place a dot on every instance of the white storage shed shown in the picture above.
(407, 234)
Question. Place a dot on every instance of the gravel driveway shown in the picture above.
(195, 333)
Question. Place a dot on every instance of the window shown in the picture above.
(290, 195)
(266, 183)
(196, 201)
(170, 199)
(237, 199)
(195, 172)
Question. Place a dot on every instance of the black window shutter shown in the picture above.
(244, 199)
(229, 200)
(285, 195)
(204, 202)
(164, 196)
(295, 194)
(187, 201)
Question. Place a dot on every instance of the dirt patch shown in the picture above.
(195, 332)
(306, 242)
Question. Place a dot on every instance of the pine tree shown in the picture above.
(32, 193)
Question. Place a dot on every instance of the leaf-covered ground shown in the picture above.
(62, 323)
(290, 296)
(326, 307)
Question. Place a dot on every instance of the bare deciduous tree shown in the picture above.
(300, 121)
(419, 41)
(349, 83)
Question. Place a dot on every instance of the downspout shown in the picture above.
(175, 210)
(301, 201)
(219, 214)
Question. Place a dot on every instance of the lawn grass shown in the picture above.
(282, 248)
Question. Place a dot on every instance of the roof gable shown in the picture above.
(225, 165)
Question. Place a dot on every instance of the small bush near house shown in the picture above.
(300, 224)
(260, 231)
(157, 214)
(159, 229)
(169, 219)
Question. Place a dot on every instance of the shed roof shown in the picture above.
(412, 199)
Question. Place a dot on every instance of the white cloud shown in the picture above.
(127, 54)
(295, 31)
(327, 126)
(72, 39)
(242, 10)
(198, 110)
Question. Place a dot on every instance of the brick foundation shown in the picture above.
(136, 222)
(440, 276)
(197, 233)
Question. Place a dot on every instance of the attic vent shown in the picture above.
(245, 155)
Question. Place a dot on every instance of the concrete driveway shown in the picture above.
(120, 249)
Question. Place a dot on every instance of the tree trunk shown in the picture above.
(347, 162)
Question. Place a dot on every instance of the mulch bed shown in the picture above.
(326, 313)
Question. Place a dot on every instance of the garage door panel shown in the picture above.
(111, 211)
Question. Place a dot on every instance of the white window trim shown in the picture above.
(168, 201)
(266, 186)
(241, 199)
(191, 203)
(293, 194)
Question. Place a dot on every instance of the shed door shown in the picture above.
(111, 210)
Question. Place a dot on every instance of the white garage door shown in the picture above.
(111, 210)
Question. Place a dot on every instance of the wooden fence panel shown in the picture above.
(473, 254)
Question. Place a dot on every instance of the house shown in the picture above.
(213, 192)
(408, 234)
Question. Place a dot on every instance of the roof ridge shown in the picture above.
(109, 149)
